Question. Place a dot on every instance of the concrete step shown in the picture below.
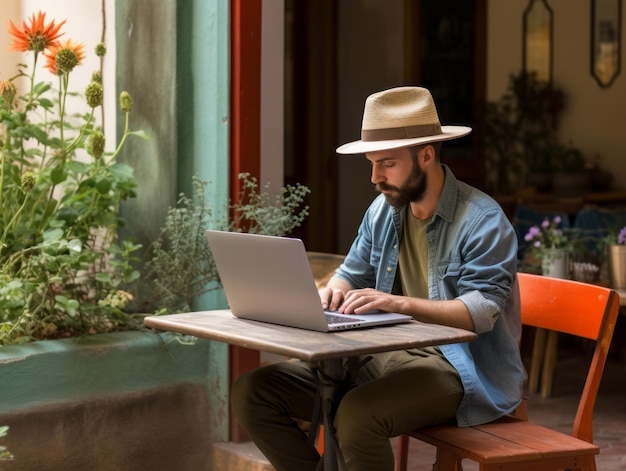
(229, 456)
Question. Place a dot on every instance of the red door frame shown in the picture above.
(245, 136)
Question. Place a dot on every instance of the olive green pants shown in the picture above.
(393, 393)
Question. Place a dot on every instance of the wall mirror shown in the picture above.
(606, 26)
(537, 40)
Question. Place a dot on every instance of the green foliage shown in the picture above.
(181, 265)
(520, 129)
(263, 212)
(4, 453)
(62, 267)
(566, 159)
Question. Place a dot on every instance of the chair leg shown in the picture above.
(549, 364)
(539, 348)
(447, 461)
(402, 453)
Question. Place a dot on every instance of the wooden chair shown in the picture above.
(323, 266)
(570, 307)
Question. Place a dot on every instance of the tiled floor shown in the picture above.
(558, 412)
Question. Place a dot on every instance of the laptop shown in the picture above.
(269, 279)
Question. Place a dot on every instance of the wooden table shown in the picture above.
(327, 351)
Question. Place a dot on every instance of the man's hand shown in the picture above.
(366, 300)
(333, 294)
(332, 298)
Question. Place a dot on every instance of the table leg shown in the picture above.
(330, 373)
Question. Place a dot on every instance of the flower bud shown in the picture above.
(96, 77)
(101, 49)
(66, 60)
(28, 181)
(126, 102)
(96, 142)
(93, 94)
(8, 91)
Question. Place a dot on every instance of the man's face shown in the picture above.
(397, 174)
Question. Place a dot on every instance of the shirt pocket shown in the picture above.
(375, 255)
(449, 270)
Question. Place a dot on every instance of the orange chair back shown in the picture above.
(579, 309)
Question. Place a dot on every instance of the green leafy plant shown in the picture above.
(4, 453)
(613, 237)
(520, 128)
(181, 266)
(567, 159)
(63, 269)
(62, 265)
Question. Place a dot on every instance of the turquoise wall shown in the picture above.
(173, 57)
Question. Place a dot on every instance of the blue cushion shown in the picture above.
(595, 224)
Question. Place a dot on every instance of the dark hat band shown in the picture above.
(405, 132)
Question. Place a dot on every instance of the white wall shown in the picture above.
(84, 25)
(595, 117)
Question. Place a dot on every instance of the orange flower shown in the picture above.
(7, 91)
(62, 57)
(36, 37)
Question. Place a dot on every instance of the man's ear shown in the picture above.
(427, 157)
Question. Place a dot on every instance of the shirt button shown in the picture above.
(388, 269)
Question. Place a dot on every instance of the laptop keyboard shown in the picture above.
(333, 319)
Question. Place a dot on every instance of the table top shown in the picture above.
(222, 326)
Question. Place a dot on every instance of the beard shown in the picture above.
(412, 190)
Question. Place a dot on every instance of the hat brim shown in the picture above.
(361, 147)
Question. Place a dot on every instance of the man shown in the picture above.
(429, 246)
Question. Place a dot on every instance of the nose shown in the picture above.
(377, 175)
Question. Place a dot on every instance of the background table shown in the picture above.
(325, 350)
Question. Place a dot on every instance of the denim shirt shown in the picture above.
(472, 257)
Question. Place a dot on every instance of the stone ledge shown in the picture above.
(229, 456)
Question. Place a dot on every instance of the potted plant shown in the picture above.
(551, 246)
(65, 272)
(519, 128)
(615, 247)
(62, 264)
(180, 265)
(570, 176)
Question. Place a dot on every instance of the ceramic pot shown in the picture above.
(555, 263)
(616, 258)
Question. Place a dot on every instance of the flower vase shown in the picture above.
(555, 263)
(616, 257)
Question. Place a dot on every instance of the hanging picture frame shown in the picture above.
(537, 42)
(606, 32)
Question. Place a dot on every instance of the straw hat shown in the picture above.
(400, 117)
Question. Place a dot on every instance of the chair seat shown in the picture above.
(512, 443)
(496, 442)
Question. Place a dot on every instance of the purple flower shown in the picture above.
(548, 235)
(532, 233)
(621, 237)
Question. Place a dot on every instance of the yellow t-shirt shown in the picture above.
(414, 257)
